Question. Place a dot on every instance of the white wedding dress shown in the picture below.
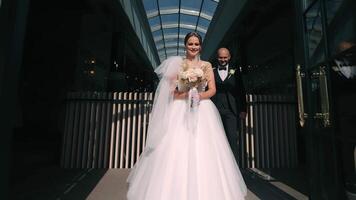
(186, 164)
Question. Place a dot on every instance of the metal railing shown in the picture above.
(105, 130)
(269, 133)
(108, 130)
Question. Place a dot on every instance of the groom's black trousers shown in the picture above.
(231, 125)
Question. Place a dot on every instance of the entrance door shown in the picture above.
(314, 117)
(327, 25)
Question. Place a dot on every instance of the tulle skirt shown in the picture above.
(189, 165)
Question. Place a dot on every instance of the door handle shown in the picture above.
(302, 115)
(324, 115)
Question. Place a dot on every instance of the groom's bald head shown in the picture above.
(223, 50)
(223, 56)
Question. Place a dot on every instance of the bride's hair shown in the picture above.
(191, 34)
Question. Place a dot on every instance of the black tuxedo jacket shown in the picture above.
(230, 93)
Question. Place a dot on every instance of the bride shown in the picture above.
(187, 155)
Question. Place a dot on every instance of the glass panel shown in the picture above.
(209, 7)
(171, 50)
(181, 41)
(168, 31)
(171, 54)
(202, 35)
(150, 5)
(157, 33)
(155, 21)
(170, 39)
(203, 23)
(171, 36)
(171, 42)
(189, 4)
(188, 19)
(332, 8)
(160, 47)
(168, 4)
(184, 31)
(169, 19)
(342, 43)
(161, 52)
(158, 38)
(307, 3)
(160, 44)
(340, 26)
(181, 45)
(314, 33)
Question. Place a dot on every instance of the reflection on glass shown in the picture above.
(314, 32)
(307, 3)
(345, 61)
(339, 24)
(332, 8)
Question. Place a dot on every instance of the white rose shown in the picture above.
(232, 71)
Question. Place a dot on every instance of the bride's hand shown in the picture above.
(180, 95)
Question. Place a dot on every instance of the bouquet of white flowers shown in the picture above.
(191, 77)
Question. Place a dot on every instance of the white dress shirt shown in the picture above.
(223, 73)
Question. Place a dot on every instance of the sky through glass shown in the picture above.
(171, 20)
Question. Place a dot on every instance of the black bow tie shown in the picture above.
(222, 68)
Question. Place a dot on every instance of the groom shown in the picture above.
(230, 97)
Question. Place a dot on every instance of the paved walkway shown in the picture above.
(103, 184)
(113, 187)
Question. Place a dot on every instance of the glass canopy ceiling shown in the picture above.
(171, 20)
